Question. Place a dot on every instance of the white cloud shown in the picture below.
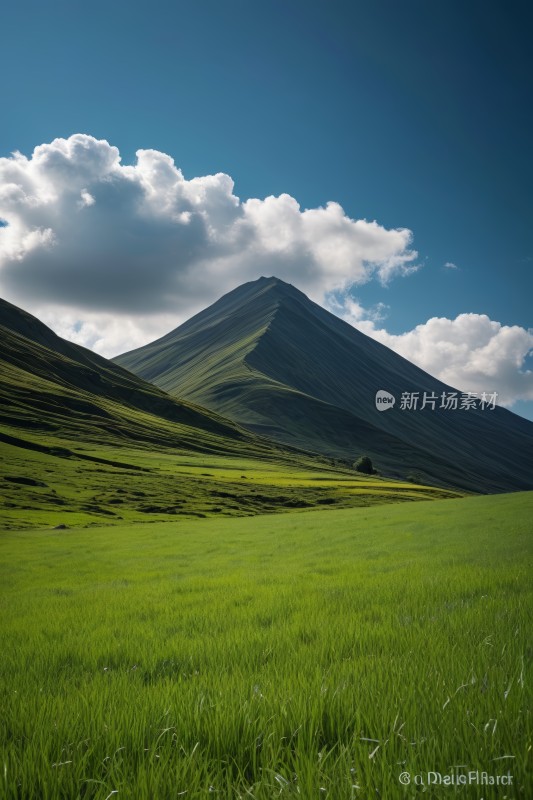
(86, 199)
(470, 352)
(112, 256)
(105, 240)
(352, 311)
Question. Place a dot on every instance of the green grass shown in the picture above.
(73, 484)
(311, 655)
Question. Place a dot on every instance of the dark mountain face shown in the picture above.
(272, 360)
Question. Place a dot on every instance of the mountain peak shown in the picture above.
(257, 295)
(271, 283)
(271, 359)
(270, 280)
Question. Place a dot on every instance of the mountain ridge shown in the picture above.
(74, 379)
(272, 360)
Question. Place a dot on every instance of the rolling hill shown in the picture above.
(53, 385)
(83, 440)
(273, 361)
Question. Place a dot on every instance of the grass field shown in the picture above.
(317, 654)
(52, 480)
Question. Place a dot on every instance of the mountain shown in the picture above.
(273, 361)
(83, 440)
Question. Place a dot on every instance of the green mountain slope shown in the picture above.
(267, 357)
(82, 440)
(76, 392)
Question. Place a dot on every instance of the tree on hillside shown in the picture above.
(364, 464)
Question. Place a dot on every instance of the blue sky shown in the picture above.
(417, 115)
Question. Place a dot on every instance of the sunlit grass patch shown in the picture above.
(80, 483)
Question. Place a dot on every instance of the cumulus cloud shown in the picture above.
(86, 233)
(471, 352)
(112, 256)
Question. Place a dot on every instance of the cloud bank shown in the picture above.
(470, 352)
(112, 256)
(87, 232)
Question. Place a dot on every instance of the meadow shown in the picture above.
(312, 654)
(53, 480)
